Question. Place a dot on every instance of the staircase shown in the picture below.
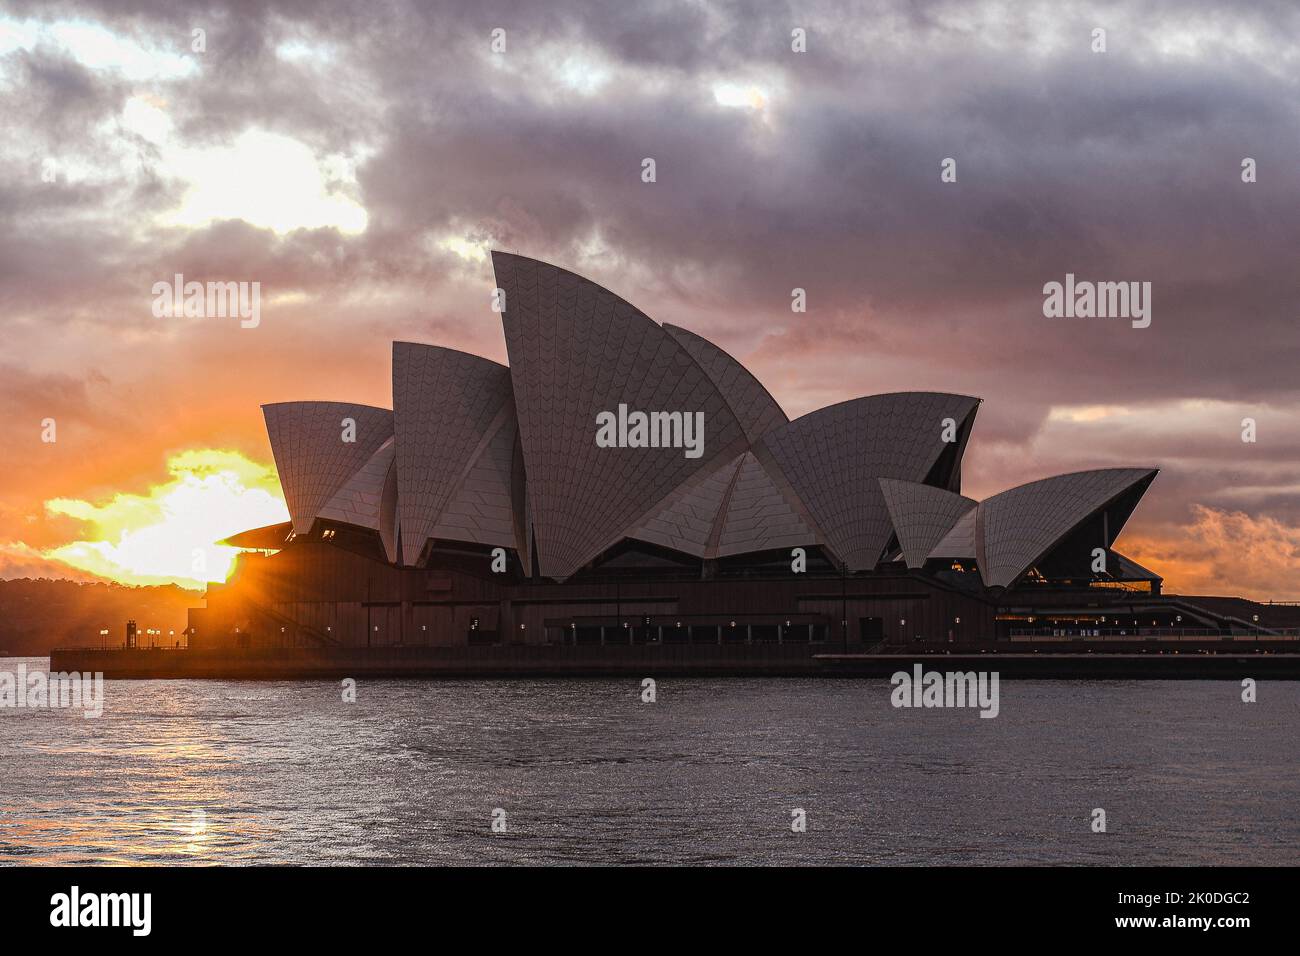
(317, 636)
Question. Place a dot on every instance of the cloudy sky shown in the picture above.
(358, 160)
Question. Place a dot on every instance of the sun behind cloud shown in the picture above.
(168, 535)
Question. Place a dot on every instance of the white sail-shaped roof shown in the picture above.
(922, 516)
(481, 453)
(447, 405)
(1017, 528)
(313, 454)
(833, 457)
(576, 351)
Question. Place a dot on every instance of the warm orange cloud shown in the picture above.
(166, 533)
(21, 560)
(1223, 552)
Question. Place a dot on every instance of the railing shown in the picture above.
(1157, 633)
(117, 647)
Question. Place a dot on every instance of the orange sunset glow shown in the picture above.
(168, 533)
(365, 215)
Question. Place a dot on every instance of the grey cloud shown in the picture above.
(1122, 166)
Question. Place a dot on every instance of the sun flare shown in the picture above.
(169, 534)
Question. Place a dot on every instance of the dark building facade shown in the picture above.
(626, 482)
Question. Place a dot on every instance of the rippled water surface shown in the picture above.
(286, 772)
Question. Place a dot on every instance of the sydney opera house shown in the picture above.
(627, 482)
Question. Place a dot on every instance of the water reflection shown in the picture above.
(286, 772)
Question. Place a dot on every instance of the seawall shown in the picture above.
(657, 661)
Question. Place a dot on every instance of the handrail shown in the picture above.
(1188, 633)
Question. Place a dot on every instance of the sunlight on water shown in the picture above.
(285, 772)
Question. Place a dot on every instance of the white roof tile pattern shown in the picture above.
(388, 513)
(752, 404)
(576, 350)
(922, 516)
(312, 458)
(960, 541)
(358, 501)
(480, 510)
(1016, 528)
(523, 518)
(758, 515)
(686, 520)
(443, 404)
(833, 456)
(735, 509)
